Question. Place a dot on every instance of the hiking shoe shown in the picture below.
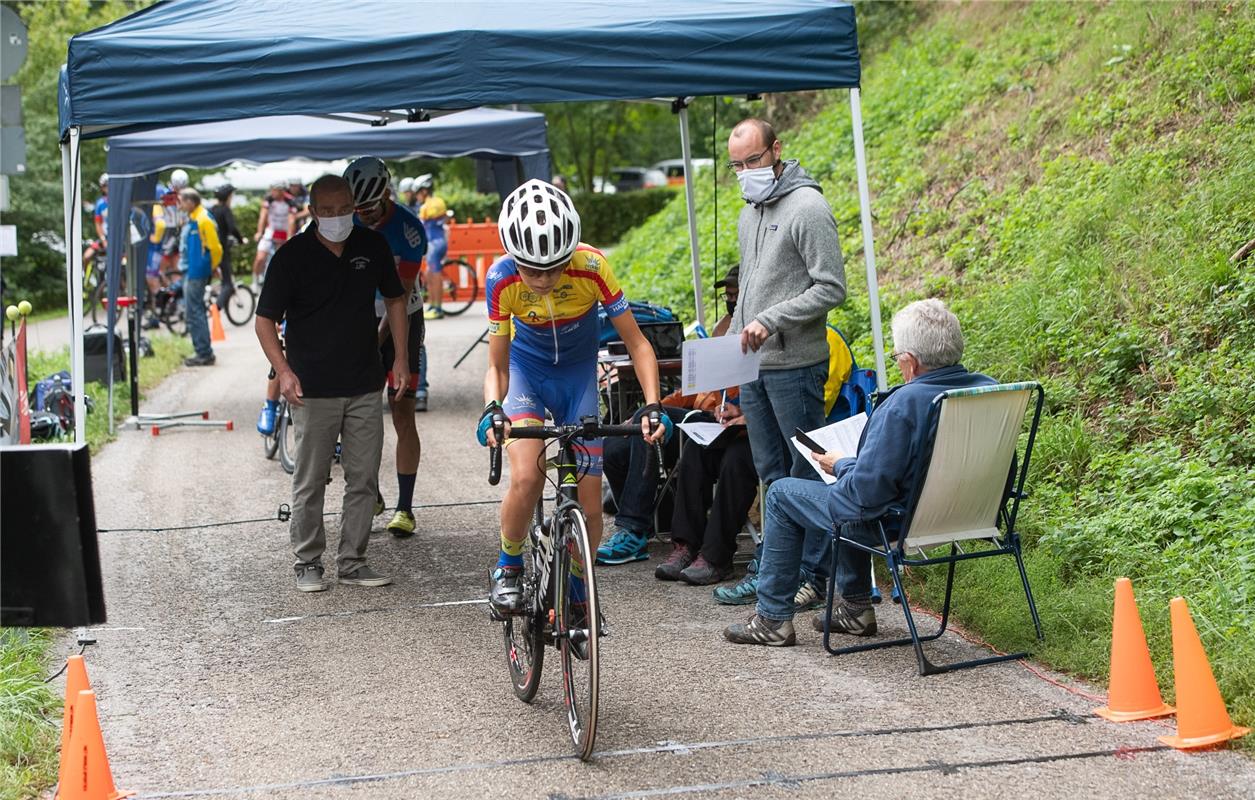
(771, 632)
(679, 560)
(623, 547)
(703, 573)
(365, 576)
(266, 419)
(505, 593)
(847, 620)
(808, 596)
(309, 578)
(420, 400)
(744, 593)
(435, 312)
(200, 361)
(380, 506)
(402, 525)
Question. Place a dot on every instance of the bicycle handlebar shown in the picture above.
(587, 429)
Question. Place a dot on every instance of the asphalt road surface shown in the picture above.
(217, 679)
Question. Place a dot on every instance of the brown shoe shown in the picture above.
(676, 563)
(847, 621)
(702, 573)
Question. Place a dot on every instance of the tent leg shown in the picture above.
(869, 253)
(70, 166)
(687, 150)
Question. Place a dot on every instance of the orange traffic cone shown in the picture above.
(88, 776)
(1132, 692)
(75, 682)
(1202, 718)
(216, 333)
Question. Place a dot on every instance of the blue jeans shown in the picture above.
(796, 523)
(197, 321)
(779, 401)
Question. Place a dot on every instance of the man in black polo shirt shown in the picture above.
(323, 281)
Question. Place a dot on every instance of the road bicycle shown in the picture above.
(461, 285)
(169, 310)
(549, 617)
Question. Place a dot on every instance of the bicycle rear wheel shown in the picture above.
(461, 285)
(525, 639)
(240, 305)
(286, 434)
(578, 632)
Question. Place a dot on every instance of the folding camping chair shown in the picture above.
(969, 489)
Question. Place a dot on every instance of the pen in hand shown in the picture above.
(723, 400)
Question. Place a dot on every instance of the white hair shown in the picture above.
(929, 331)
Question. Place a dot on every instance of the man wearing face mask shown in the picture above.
(791, 277)
(323, 281)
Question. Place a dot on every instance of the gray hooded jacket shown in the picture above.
(791, 270)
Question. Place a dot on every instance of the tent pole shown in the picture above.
(685, 146)
(869, 253)
(70, 164)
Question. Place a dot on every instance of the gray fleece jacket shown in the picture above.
(791, 270)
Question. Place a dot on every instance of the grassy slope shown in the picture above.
(30, 710)
(1072, 179)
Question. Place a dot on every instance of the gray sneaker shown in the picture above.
(309, 578)
(848, 621)
(365, 576)
(807, 597)
(773, 633)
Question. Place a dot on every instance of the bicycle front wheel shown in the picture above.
(286, 434)
(578, 629)
(461, 285)
(240, 305)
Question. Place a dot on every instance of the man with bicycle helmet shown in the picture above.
(542, 356)
(372, 199)
(432, 211)
(275, 224)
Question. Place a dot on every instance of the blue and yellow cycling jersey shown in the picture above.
(560, 327)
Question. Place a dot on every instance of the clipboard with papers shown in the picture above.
(711, 434)
(843, 437)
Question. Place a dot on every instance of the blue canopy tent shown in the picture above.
(189, 61)
(514, 142)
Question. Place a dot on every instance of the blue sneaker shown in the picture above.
(623, 547)
(266, 419)
(744, 593)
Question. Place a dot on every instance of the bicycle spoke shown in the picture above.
(578, 631)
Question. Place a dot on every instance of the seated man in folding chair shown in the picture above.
(928, 345)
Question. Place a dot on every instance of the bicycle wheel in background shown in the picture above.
(578, 631)
(461, 285)
(525, 634)
(270, 444)
(93, 293)
(286, 435)
(240, 305)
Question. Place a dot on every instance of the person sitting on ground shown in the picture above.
(928, 344)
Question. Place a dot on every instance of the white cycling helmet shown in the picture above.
(368, 178)
(539, 225)
(178, 179)
(424, 181)
(407, 185)
(104, 179)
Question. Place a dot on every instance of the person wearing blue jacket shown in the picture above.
(928, 346)
(200, 253)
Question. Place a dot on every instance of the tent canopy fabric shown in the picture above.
(482, 132)
(189, 61)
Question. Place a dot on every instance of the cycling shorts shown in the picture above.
(436, 250)
(568, 393)
(387, 354)
(153, 268)
(269, 241)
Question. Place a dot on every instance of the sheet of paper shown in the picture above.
(705, 433)
(840, 436)
(717, 363)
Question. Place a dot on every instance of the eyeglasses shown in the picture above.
(750, 163)
(895, 355)
(370, 209)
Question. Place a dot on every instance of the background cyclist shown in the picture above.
(542, 356)
(372, 199)
(432, 211)
(275, 222)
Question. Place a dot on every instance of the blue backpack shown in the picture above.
(644, 312)
(856, 393)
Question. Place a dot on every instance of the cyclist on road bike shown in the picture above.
(372, 200)
(275, 223)
(542, 356)
(100, 215)
(431, 211)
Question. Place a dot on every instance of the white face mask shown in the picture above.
(335, 229)
(756, 184)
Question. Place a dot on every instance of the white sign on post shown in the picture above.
(716, 363)
(8, 240)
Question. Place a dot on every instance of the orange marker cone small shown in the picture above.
(1132, 692)
(89, 776)
(75, 682)
(1202, 718)
(216, 333)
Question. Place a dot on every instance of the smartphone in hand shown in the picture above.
(808, 441)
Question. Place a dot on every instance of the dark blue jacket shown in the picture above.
(888, 452)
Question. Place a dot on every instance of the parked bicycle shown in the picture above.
(168, 303)
(550, 617)
(461, 285)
